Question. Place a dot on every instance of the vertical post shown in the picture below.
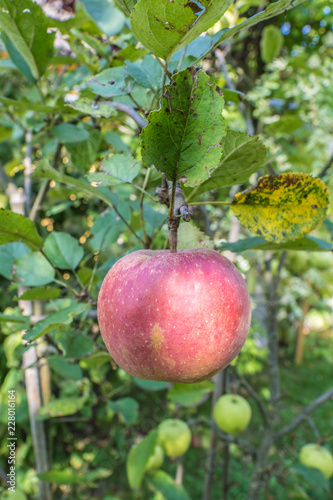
(20, 202)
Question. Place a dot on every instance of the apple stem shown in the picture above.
(171, 195)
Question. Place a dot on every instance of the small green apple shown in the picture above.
(313, 455)
(232, 413)
(174, 436)
(156, 459)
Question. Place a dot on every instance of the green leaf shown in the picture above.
(329, 225)
(281, 208)
(106, 16)
(116, 141)
(273, 9)
(112, 82)
(32, 269)
(58, 319)
(183, 137)
(242, 156)
(106, 230)
(60, 477)
(16, 227)
(116, 169)
(65, 369)
(150, 385)
(74, 344)
(127, 5)
(67, 133)
(271, 43)
(189, 394)
(83, 154)
(165, 27)
(61, 407)
(40, 293)
(127, 407)
(16, 58)
(147, 72)
(25, 26)
(5, 318)
(45, 171)
(138, 457)
(31, 106)
(308, 244)
(63, 250)
(190, 236)
(8, 254)
(164, 484)
(285, 125)
(92, 108)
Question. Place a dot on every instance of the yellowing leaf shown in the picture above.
(281, 208)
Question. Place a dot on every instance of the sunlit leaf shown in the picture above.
(165, 27)
(63, 250)
(138, 457)
(163, 483)
(189, 394)
(93, 108)
(26, 38)
(281, 208)
(113, 82)
(183, 137)
(61, 407)
(190, 236)
(63, 317)
(16, 227)
(116, 169)
(60, 477)
(40, 293)
(271, 43)
(242, 156)
(32, 269)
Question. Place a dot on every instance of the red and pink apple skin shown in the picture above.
(175, 317)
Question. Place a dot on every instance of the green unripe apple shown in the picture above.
(174, 436)
(232, 413)
(156, 460)
(313, 455)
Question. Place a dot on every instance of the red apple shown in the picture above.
(175, 317)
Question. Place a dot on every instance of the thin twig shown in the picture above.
(303, 415)
(44, 187)
(146, 238)
(143, 191)
(128, 110)
(326, 168)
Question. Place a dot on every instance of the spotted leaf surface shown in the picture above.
(281, 208)
(183, 137)
(164, 26)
